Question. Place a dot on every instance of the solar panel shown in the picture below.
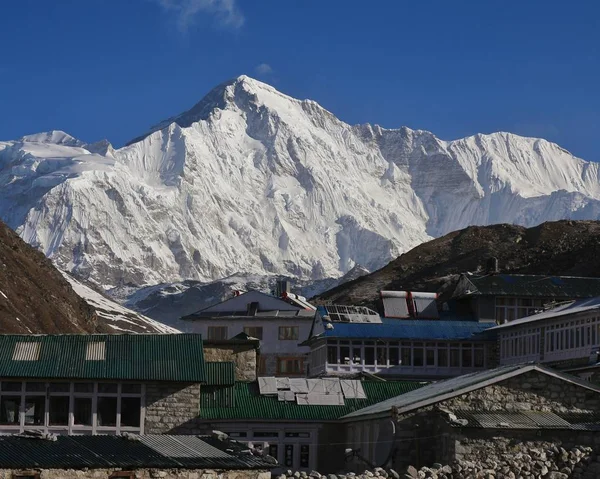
(302, 399)
(425, 305)
(283, 383)
(286, 396)
(394, 304)
(332, 386)
(299, 385)
(325, 399)
(316, 386)
(352, 389)
(267, 385)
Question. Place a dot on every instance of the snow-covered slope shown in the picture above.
(252, 180)
(114, 316)
(168, 302)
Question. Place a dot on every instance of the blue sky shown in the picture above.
(112, 68)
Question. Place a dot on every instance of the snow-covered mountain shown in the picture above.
(253, 180)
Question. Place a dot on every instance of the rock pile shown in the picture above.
(522, 462)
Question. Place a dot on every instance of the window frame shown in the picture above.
(210, 329)
(292, 330)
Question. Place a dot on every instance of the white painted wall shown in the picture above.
(270, 343)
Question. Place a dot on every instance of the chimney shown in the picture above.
(491, 266)
(282, 286)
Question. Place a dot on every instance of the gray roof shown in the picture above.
(527, 420)
(449, 388)
(574, 307)
(149, 451)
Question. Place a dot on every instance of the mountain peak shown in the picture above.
(228, 92)
(55, 137)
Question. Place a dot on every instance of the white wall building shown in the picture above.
(280, 324)
(568, 335)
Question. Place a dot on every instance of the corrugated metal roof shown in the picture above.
(570, 287)
(526, 420)
(453, 387)
(150, 451)
(408, 329)
(251, 405)
(219, 373)
(157, 357)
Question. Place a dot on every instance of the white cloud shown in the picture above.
(226, 11)
(263, 69)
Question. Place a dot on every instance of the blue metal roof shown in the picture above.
(408, 329)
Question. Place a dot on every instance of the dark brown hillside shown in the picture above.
(34, 296)
(561, 247)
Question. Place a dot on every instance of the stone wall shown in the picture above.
(244, 357)
(425, 437)
(530, 391)
(139, 473)
(171, 408)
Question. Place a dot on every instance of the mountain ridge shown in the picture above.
(250, 179)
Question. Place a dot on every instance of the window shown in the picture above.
(130, 411)
(107, 411)
(82, 411)
(290, 366)
(418, 354)
(382, 354)
(35, 407)
(254, 331)
(274, 451)
(288, 460)
(443, 358)
(332, 355)
(430, 357)
(344, 354)
(59, 410)
(509, 309)
(217, 332)
(406, 355)
(369, 355)
(304, 455)
(9, 410)
(288, 333)
(467, 357)
(394, 356)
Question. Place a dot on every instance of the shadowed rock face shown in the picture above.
(34, 296)
(570, 248)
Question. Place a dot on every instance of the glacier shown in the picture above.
(251, 180)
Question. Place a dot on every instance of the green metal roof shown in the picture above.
(150, 357)
(570, 287)
(248, 404)
(220, 373)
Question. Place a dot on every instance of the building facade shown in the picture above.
(502, 298)
(360, 341)
(470, 416)
(100, 384)
(566, 336)
(280, 324)
(300, 429)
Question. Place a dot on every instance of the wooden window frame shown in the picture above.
(290, 358)
(209, 336)
(292, 328)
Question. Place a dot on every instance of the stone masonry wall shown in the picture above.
(424, 437)
(139, 473)
(171, 408)
(530, 391)
(242, 355)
